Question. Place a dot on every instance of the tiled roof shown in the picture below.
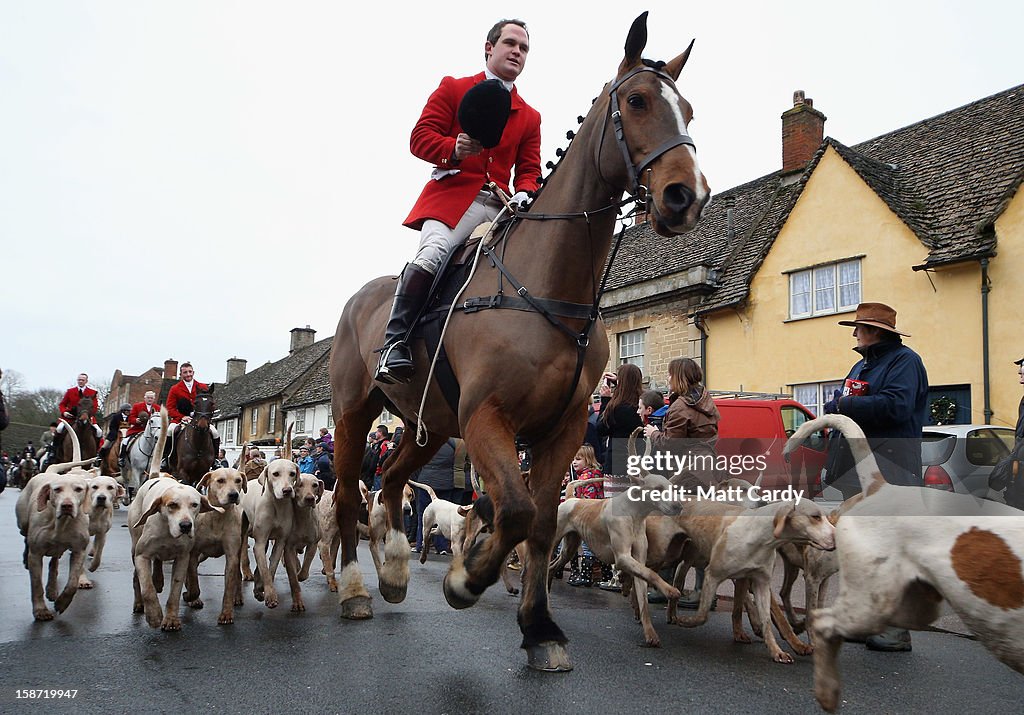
(948, 178)
(270, 380)
(315, 389)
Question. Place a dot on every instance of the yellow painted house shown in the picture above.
(928, 219)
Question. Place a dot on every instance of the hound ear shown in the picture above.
(320, 487)
(245, 483)
(782, 517)
(153, 509)
(120, 490)
(205, 505)
(464, 510)
(636, 480)
(205, 481)
(42, 496)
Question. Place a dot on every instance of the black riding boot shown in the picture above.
(396, 365)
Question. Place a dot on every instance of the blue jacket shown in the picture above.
(892, 413)
(307, 465)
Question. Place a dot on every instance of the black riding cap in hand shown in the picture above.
(484, 112)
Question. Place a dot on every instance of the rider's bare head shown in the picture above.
(187, 371)
(82, 379)
(149, 397)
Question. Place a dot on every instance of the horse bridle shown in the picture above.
(637, 170)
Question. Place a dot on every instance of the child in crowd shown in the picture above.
(586, 473)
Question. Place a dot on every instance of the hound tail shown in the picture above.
(867, 468)
(158, 452)
(427, 489)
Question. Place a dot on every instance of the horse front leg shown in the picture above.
(393, 577)
(349, 438)
(543, 640)
(491, 445)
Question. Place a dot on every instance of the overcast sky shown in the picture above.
(191, 180)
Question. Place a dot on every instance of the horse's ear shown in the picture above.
(636, 40)
(675, 67)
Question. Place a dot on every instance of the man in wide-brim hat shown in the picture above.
(886, 393)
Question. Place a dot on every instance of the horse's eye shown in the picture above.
(636, 101)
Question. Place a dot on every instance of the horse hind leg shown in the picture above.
(349, 439)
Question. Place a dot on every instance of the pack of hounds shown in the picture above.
(973, 560)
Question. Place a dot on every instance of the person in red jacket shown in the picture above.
(141, 413)
(75, 396)
(456, 200)
(182, 392)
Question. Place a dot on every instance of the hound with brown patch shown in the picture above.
(219, 533)
(480, 520)
(330, 534)
(903, 550)
(445, 514)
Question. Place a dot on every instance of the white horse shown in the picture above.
(139, 455)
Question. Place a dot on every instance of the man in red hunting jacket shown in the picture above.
(185, 390)
(80, 394)
(455, 200)
(148, 407)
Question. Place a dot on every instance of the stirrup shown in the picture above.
(391, 376)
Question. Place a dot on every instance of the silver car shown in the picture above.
(959, 458)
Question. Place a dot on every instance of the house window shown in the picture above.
(814, 395)
(300, 421)
(385, 417)
(255, 417)
(631, 348)
(229, 431)
(832, 288)
(272, 420)
(330, 418)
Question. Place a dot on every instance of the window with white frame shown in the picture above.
(822, 290)
(272, 420)
(300, 421)
(631, 347)
(330, 418)
(814, 395)
(229, 431)
(255, 419)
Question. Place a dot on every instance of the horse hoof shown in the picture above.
(392, 594)
(458, 598)
(357, 608)
(550, 657)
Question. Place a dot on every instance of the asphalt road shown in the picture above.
(421, 656)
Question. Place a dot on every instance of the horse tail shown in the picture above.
(426, 488)
(158, 453)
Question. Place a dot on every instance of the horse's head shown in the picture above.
(655, 159)
(84, 410)
(203, 410)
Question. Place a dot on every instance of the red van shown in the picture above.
(760, 427)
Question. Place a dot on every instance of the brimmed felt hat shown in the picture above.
(484, 110)
(877, 315)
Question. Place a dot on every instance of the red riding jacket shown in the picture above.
(133, 417)
(73, 397)
(178, 391)
(433, 140)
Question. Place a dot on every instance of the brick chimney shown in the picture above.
(803, 128)
(170, 369)
(301, 338)
(236, 368)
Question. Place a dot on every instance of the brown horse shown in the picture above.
(194, 444)
(81, 423)
(519, 372)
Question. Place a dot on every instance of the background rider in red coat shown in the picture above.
(72, 398)
(455, 200)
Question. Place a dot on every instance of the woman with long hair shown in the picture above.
(620, 394)
(692, 414)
